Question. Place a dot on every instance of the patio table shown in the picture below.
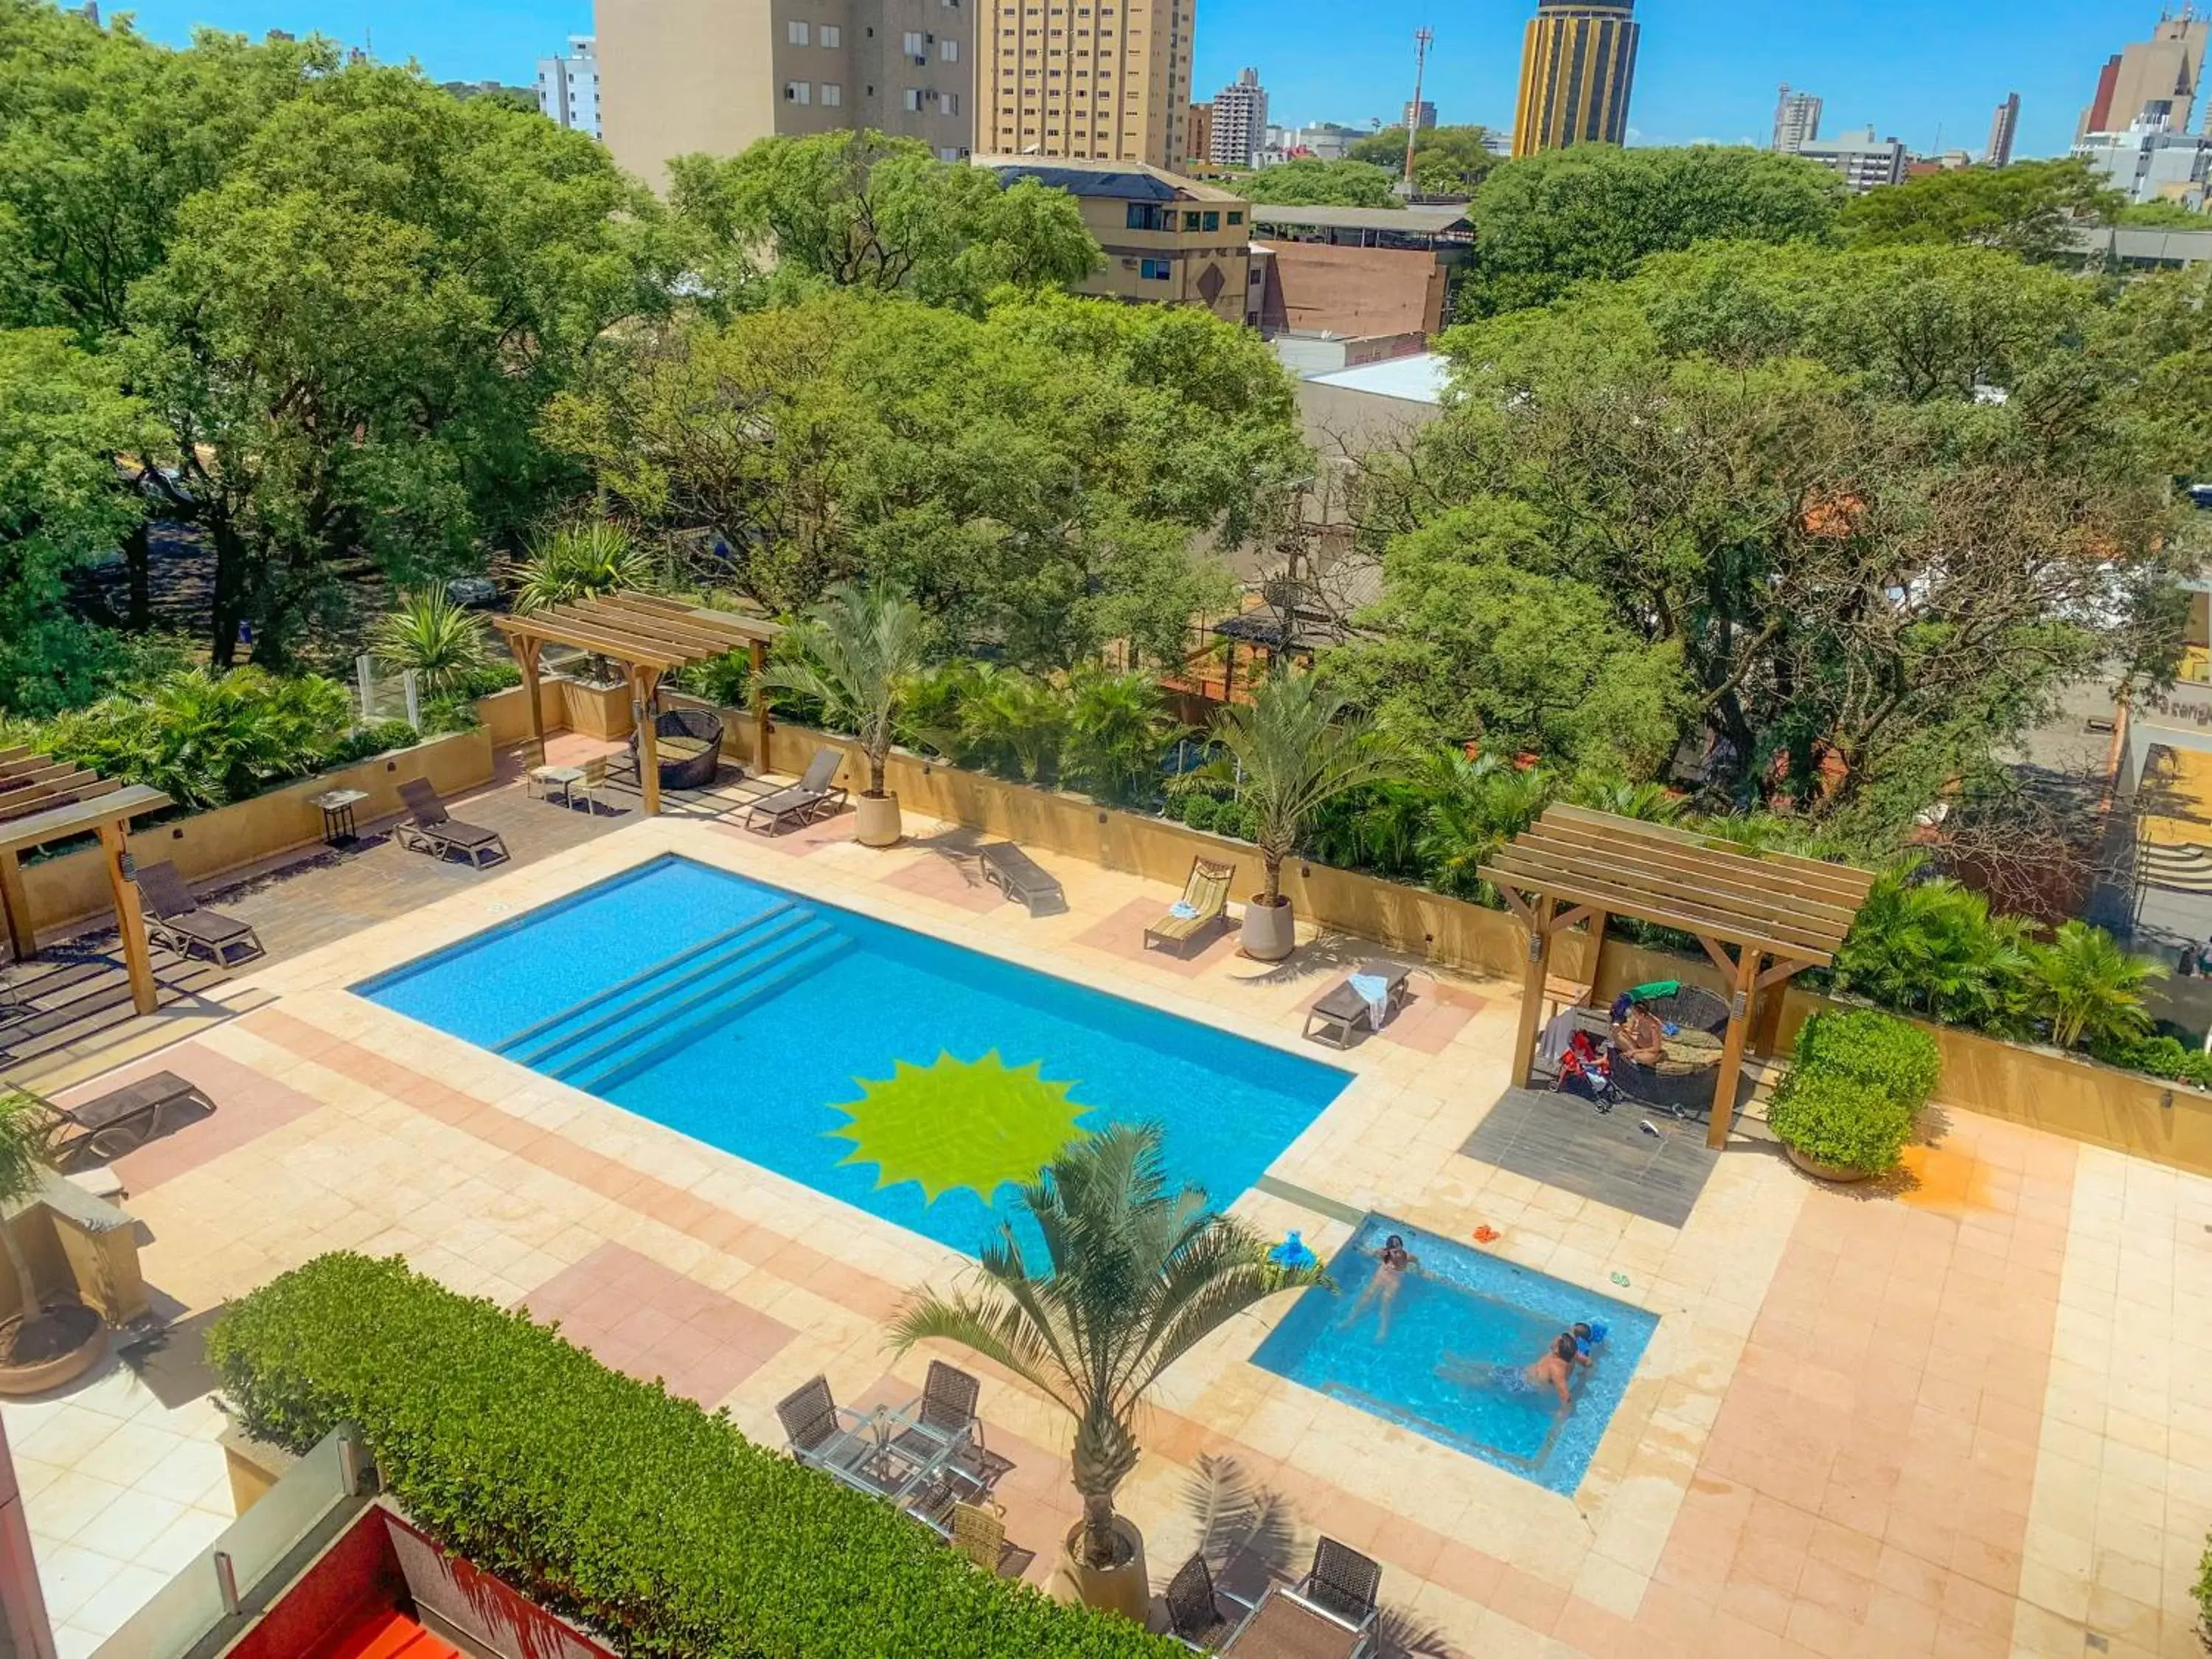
(889, 1453)
(1285, 1626)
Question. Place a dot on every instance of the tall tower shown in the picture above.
(1577, 67)
(1056, 80)
(1796, 120)
(2004, 130)
(1240, 121)
(2152, 81)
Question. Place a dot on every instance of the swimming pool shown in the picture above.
(1463, 1313)
(907, 1077)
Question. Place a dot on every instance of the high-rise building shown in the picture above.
(2004, 132)
(1418, 120)
(1115, 87)
(569, 87)
(682, 76)
(1865, 162)
(2152, 80)
(1796, 120)
(1240, 121)
(2151, 163)
(1577, 68)
(1198, 134)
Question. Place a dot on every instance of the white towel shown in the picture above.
(1375, 991)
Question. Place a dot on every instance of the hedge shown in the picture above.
(1892, 1055)
(1842, 1120)
(607, 1500)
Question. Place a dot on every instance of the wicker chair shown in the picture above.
(693, 751)
(811, 1419)
(1694, 1008)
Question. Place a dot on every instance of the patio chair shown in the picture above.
(1343, 1582)
(429, 828)
(980, 1533)
(1338, 1017)
(811, 1419)
(174, 919)
(1203, 907)
(1017, 875)
(1193, 1601)
(811, 797)
(1331, 1612)
(689, 747)
(122, 1120)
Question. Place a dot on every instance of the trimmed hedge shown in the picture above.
(609, 1500)
(1856, 1084)
(1892, 1055)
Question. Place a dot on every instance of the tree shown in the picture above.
(1305, 182)
(575, 561)
(860, 209)
(1134, 1276)
(1450, 160)
(2031, 209)
(62, 421)
(427, 635)
(1297, 745)
(1594, 212)
(857, 653)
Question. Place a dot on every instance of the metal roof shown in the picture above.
(1122, 186)
(1407, 220)
(1419, 379)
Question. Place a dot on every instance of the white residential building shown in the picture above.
(1796, 120)
(1865, 162)
(569, 87)
(1240, 121)
(2150, 162)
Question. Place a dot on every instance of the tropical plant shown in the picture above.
(1011, 722)
(1652, 803)
(573, 561)
(857, 653)
(440, 642)
(1118, 732)
(1933, 947)
(1475, 807)
(1135, 1275)
(1839, 1120)
(2087, 986)
(25, 1137)
(206, 738)
(1298, 747)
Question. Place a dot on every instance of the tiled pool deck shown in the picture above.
(1974, 1419)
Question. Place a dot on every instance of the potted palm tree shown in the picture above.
(1135, 1275)
(858, 651)
(45, 1344)
(1297, 749)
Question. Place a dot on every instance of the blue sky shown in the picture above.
(1710, 67)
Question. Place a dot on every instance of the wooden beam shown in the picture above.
(1722, 960)
(687, 627)
(617, 638)
(540, 626)
(1668, 870)
(1847, 877)
(1624, 901)
(1519, 907)
(643, 681)
(15, 900)
(527, 651)
(1784, 968)
(1532, 991)
(1580, 913)
(130, 922)
(1724, 866)
(1731, 1068)
(761, 727)
(1573, 869)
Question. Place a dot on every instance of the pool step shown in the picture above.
(536, 1042)
(648, 1047)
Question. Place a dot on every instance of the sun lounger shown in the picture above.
(1203, 907)
(428, 829)
(1018, 876)
(174, 919)
(1338, 1017)
(123, 1119)
(813, 796)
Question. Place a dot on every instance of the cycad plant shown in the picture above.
(2087, 986)
(573, 561)
(426, 632)
(1135, 1274)
(857, 651)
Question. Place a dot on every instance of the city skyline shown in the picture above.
(1707, 72)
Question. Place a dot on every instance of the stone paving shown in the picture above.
(1967, 1415)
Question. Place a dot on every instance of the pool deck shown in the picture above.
(1968, 1416)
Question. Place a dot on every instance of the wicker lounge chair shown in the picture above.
(1338, 1017)
(122, 1120)
(688, 742)
(1691, 1007)
(1016, 875)
(1206, 896)
(811, 1419)
(428, 829)
(173, 918)
(813, 796)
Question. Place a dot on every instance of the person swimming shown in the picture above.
(1553, 1370)
(1391, 1263)
(1588, 1338)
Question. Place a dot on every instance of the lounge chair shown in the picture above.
(174, 919)
(813, 796)
(1330, 1612)
(811, 1419)
(428, 829)
(1203, 907)
(1196, 1617)
(688, 743)
(1338, 1017)
(1016, 875)
(122, 1120)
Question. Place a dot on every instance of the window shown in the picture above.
(949, 51)
(1236, 218)
(830, 35)
(1154, 270)
(797, 92)
(1213, 220)
(1190, 221)
(948, 103)
(796, 31)
(911, 43)
(832, 94)
(911, 100)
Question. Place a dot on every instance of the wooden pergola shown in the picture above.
(650, 636)
(43, 799)
(1783, 913)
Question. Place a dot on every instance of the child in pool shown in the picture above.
(1393, 1262)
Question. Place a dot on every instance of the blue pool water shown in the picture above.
(1464, 1312)
(745, 1016)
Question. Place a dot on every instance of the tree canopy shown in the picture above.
(1450, 160)
(1308, 183)
(2031, 209)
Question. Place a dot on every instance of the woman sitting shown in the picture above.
(1637, 1035)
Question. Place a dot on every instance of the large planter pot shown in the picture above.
(1270, 931)
(84, 1334)
(1123, 1588)
(1834, 1172)
(876, 820)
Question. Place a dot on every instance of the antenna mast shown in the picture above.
(1421, 38)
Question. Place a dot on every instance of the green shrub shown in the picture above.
(1892, 1055)
(495, 675)
(454, 711)
(2160, 1056)
(607, 1498)
(2204, 1595)
(204, 739)
(367, 741)
(1840, 1121)
(1201, 812)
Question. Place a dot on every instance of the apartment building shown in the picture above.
(677, 76)
(1577, 72)
(1169, 241)
(1865, 162)
(1796, 120)
(1240, 121)
(1085, 79)
(569, 87)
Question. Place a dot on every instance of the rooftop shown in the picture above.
(1409, 221)
(1123, 181)
(1421, 379)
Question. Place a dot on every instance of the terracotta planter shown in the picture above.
(1123, 1589)
(876, 820)
(1834, 1172)
(90, 1334)
(1270, 932)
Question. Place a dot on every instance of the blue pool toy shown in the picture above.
(1291, 1252)
(1596, 1329)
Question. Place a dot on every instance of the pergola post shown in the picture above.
(1739, 1026)
(131, 922)
(643, 683)
(527, 651)
(1539, 921)
(760, 705)
(15, 900)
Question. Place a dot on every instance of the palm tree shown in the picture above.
(1136, 1274)
(1475, 807)
(427, 632)
(1118, 731)
(574, 561)
(23, 1143)
(857, 651)
(2087, 986)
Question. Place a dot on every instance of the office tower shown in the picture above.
(569, 87)
(2154, 80)
(2004, 130)
(1240, 121)
(1796, 120)
(1058, 80)
(1865, 162)
(1421, 122)
(1577, 68)
(680, 75)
